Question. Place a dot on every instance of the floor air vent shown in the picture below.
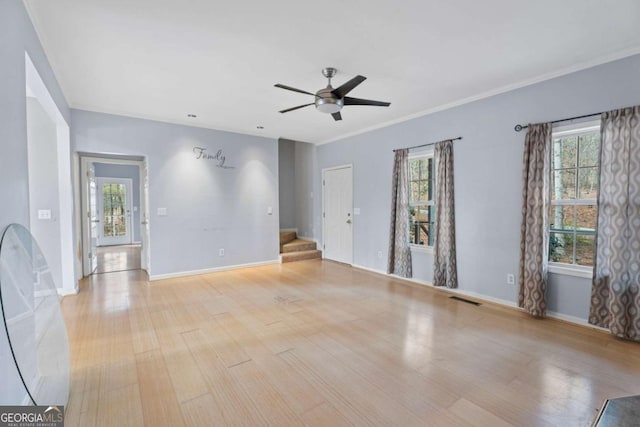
(464, 300)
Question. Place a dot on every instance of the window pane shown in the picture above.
(587, 216)
(561, 247)
(562, 217)
(120, 226)
(588, 183)
(589, 149)
(424, 191)
(419, 225)
(412, 225)
(585, 249)
(108, 227)
(414, 170)
(414, 191)
(422, 221)
(424, 230)
(565, 151)
(563, 184)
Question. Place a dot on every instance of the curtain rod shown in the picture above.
(424, 145)
(518, 128)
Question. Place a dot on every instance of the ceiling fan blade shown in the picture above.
(341, 91)
(358, 101)
(295, 108)
(336, 116)
(294, 89)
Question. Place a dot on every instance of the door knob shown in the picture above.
(348, 221)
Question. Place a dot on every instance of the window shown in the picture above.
(574, 192)
(114, 206)
(421, 208)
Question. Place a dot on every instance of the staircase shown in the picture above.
(294, 249)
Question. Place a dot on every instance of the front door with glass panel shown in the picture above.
(114, 207)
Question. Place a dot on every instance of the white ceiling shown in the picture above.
(163, 59)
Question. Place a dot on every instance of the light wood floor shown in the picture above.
(321, 344)
(118, 258)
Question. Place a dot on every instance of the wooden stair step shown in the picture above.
(301, 255)
(298, 245)
(287, 236)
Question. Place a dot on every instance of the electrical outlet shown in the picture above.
(221, 252)
(511, 279)
(380, 254)
(44, 213)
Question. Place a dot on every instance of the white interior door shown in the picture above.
(338, 214)
(114, 211)
(145, 262)
(92, 216)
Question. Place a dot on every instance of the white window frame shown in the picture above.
(576, 270)
(426, 154)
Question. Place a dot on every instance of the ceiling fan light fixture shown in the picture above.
(328, 107)
(326, 102)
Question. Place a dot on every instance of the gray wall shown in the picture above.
(297, 167)
(43, 185)
(306, 195)
(488, 178)
(132, 172)
(287, 183)
(16, 36)
(208, 207)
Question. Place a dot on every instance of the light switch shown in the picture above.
(269, 210)
(162, 211)
(356, 211)
(44, 213)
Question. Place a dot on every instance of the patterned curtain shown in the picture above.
(615, 295)
(445, 272)
(534, 236)
(399, 252)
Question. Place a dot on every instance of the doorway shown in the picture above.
(115, 225)
(337, 213)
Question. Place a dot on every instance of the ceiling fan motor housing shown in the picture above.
(326, 102)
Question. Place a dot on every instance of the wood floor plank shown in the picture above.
(324, 415)
(202, 411)
(264, 396)
(371, 403)
(185, 376)
(159, 402)
(319, 343)
(475, 415)
(143, 334)
(121, 407)
(235, 406)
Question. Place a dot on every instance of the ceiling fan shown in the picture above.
(330, 100)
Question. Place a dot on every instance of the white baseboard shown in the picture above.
(65, 292)
(511, 304)
(211, 270)
(575, 320)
